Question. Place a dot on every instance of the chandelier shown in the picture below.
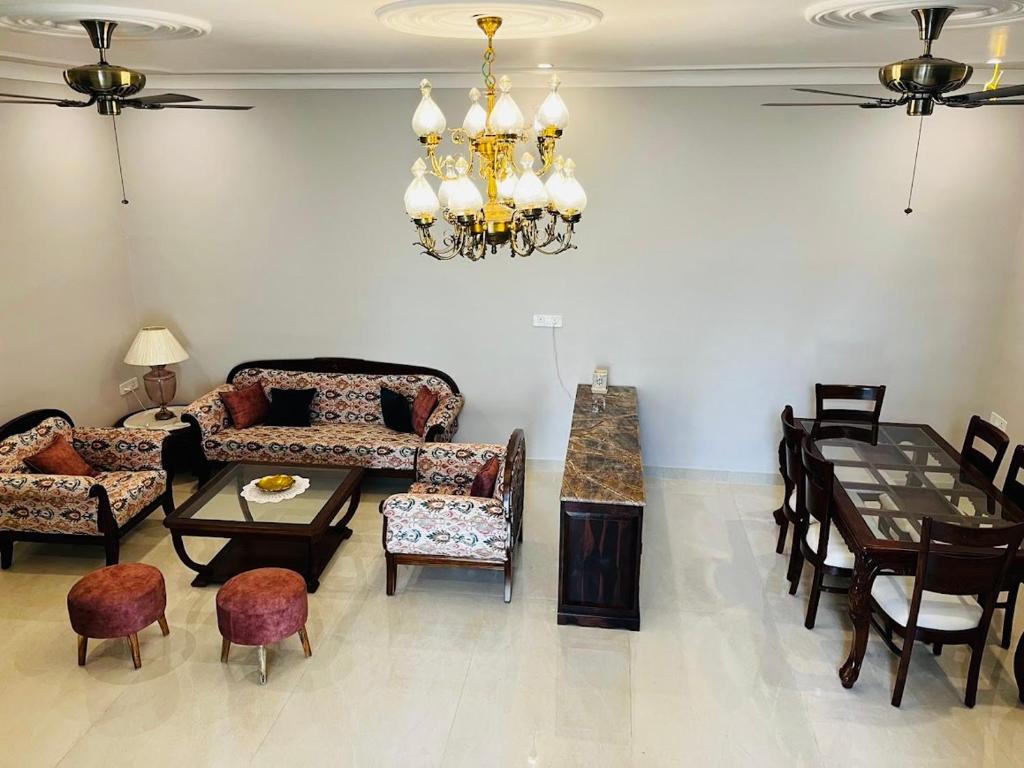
(520, 211)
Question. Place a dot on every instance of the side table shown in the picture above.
(182, 445)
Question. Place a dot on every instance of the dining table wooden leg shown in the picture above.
(864, 573)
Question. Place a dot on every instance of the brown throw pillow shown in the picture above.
(60, 458)
(483, 483)
(422, 407)
(247, 406)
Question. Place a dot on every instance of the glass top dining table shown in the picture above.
(906, 476)
(887, 482)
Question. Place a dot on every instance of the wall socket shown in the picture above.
(547, 321)
(129, 386)
(997, 421)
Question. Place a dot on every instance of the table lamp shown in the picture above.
(156, 347)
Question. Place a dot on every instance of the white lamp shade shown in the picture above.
(155, 345)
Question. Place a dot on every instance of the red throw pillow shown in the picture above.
(247, 406)
(422, 407)
(483, 483)
(60, 458)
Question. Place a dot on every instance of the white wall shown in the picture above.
(68, 311)
(731, 256)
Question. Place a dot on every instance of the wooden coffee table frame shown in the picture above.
(302, 547)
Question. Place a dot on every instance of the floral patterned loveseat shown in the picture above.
(131, 483)
(347, 426)
(438, 523)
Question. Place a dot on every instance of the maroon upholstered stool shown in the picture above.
(117, 601)
(261, 607)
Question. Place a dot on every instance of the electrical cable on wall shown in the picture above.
(558, 370)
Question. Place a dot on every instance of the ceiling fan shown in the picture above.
(921, 83)
(111, 88)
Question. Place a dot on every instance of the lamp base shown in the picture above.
(160, 386)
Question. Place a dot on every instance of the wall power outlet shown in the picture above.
(129, 386)
(997, 421)
(547, 321)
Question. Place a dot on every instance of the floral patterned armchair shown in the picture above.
(438, 523)
(131, 482)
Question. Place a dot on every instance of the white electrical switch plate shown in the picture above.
(997, 421)
(129, 386)
(547, 321)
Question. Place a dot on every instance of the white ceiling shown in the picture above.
(344, 36)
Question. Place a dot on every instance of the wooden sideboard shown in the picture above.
(602, 513)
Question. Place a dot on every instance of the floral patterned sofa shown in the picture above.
(438, 523)
(131, 483)
(347, 426)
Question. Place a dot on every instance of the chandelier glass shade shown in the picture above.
(518, 210)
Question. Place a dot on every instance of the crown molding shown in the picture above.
(13, 68)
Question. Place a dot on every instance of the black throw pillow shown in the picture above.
(289, 407)
(395, 410)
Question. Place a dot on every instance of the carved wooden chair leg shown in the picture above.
(304, 637)
(83, 649)
(508, 580)
(133, 642)
(6, 552)
(937, 649)
(112, 548)
(796, 562)
(812, 602)
(225, 649)
(162, 621)
(261, 652)
(392, 573)
(783, 531)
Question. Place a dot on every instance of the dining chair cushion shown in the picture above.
(838, 555)
(943, 612)
(792, 500)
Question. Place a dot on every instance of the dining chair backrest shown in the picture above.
(1013, 487)
(959, 560)
(792, 439)
(819, 480)
(824, 393)
(991, 436)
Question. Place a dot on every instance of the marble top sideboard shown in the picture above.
(603, 464)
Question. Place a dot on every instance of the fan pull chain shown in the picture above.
(120, 168)
(913, 174)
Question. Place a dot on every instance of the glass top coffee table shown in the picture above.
(298, 533)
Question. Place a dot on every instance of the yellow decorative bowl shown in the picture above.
(275, 483)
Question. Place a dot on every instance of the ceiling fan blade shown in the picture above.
(837, 93)
(164, 98)
(998, 93)
(23, 101)
(821, 104)
(200, 106)
(1007, 102)
(33, 98)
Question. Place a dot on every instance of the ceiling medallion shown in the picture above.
(457, 18)
(875, 13)
(521, 211)
(62, 20)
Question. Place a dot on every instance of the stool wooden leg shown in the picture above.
(225, 649)
(262, 653)
(163, 625)
(391, 573)
(83, 648)
(305, 642)
(133, 641)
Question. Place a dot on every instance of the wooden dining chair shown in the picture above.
(1013, 491)
(869, 417)
(786, 514)
(821, 544)
(940, 605)
(793, 508)
(991, 436)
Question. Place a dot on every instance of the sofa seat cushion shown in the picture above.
(131, 492)
(354, 445)
(448, 526)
